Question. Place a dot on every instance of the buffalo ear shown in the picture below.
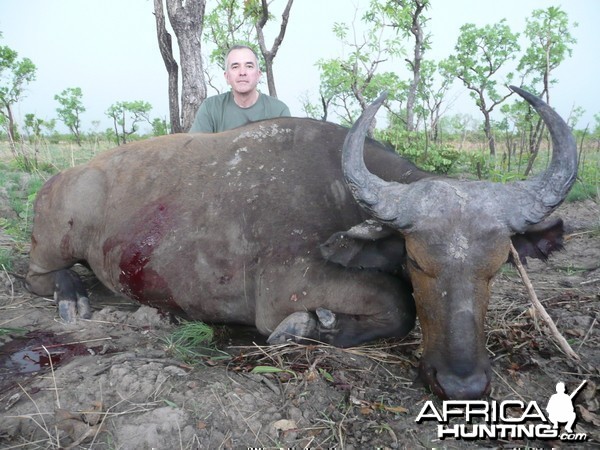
(539, 240)
(368, 245)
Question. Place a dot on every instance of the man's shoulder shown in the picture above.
(273, 100)
(218, 99)
(275, 104)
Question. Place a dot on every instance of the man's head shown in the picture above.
(560, 387)
(241, 69)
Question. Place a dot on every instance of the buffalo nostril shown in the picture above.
(472, 387)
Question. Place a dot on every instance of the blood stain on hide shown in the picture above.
(138, 243)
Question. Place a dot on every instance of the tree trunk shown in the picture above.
(269, 55)
(415, 65)
(187, 22)
(488, 133)
(166, 50)
(10, 127)
(534, 144)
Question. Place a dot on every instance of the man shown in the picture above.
(243, 103)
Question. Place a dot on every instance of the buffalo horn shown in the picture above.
(368, 189)
(524, 202)
(538, 196)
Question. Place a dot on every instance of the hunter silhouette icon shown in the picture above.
(560, 407)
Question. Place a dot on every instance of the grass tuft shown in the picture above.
(192, 343)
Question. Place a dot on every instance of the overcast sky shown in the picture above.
(108, 48)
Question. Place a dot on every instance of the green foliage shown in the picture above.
(33, 126)
(22, 190)
(431, 90)
(480, 55)
(414, 146)
(349, 83)
(160, 127)
(6, 257)
(126, 116)
(192, 342)
(71, 108)
(5, 330)
(326, 375)
(588, 178)
(15, 74)
(583, 190)
(485, 167)
(550, 43)
(229, 23)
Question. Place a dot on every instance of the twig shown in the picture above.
(12, 287)
(71, 343)
(562, 342)
(53, 377)
(587, 334)
(44, 428)
(56, 391)
(595, 280)
(508, 384)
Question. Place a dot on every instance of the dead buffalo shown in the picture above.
(276, 226)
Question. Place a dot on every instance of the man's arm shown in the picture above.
(285, 112)
(203, 122)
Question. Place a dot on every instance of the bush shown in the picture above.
(438, 159)
(414, 147)
(582, 191)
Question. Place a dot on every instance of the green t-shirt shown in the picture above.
(220, 113)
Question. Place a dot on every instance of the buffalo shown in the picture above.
(303, 229)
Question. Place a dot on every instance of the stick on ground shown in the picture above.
(562, 342)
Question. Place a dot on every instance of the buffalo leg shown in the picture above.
(339, 307)
(342, 330)
(70, 294)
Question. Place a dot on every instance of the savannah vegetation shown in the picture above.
(505, 142)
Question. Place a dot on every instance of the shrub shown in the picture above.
(415, 147)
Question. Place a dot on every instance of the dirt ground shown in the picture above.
(112, 382)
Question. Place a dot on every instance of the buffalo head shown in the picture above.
(457, 235)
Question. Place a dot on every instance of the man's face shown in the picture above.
(242, 72)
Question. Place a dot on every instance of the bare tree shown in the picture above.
(269, 55)
(415, 9)
(187, 22)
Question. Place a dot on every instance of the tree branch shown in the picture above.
(166, 50)
(539, 308)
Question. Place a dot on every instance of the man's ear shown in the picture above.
(368, 245)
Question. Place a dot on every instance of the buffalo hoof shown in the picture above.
(326, 318)
(71, 297)
(301, 326)
(294, 328)
(68, 309)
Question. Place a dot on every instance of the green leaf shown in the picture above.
(170, 403)
(326, 375)
(270, 369)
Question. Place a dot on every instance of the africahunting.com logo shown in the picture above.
(509, 419)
